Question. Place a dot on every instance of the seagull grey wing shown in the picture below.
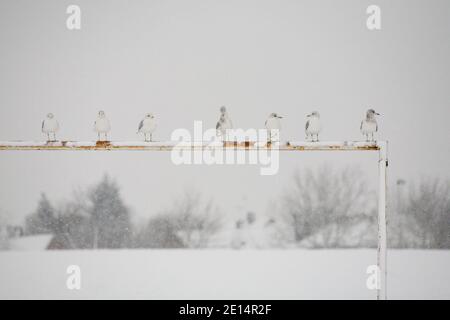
(360, 127)
(42, 126)
(265, 123)
(376, 126)
(218, 125)
(307, 125)
(141, 124)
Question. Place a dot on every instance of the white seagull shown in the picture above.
(50, 126)
(273, 127)
(147, 126)
(102, 125)
(369, 125)
(224, 123)
(313, 126)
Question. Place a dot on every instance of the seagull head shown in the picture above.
(372, 113)
(50, 116)
(274, 115)
(223, 109)
(314, 114)
(101, 114)
(149, 115)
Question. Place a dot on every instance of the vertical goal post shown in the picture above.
(378, 146)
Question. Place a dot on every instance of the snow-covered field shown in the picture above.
(222, 274)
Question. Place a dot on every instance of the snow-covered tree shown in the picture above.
(160, 232)
(109, 217)
(43, 219)
(73, 229)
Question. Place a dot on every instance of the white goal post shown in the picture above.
(380, 146)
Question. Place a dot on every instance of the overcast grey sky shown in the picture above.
(182, 60)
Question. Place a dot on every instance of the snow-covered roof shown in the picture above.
(30, 243)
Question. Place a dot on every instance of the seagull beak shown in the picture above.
(377, 113)
(279, 117)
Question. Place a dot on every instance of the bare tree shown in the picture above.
(189, 224)
(428, 207)
(327, 202)
(196, 220)
(4, 243)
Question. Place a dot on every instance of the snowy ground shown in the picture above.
(222, 274)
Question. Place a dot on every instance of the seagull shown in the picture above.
(147, 126)
(369, 125)
(224, 123)
(313, 126)
(273, 126)
(50, 126)
(102, 125)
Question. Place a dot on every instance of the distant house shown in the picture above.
(30, 243)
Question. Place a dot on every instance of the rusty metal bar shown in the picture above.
(198, 145)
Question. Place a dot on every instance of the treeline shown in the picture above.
(338, 209)
(99, 219)
(319, 209)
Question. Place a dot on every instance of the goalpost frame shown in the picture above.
(380, 146)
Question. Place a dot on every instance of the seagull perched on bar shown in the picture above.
(224, 123)
(313, 126)
(369, 125)
(273, 127)
(102, 125)
(50, 126)
(147, 126)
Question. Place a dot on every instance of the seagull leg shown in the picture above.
(151, 134)
(48, 136)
